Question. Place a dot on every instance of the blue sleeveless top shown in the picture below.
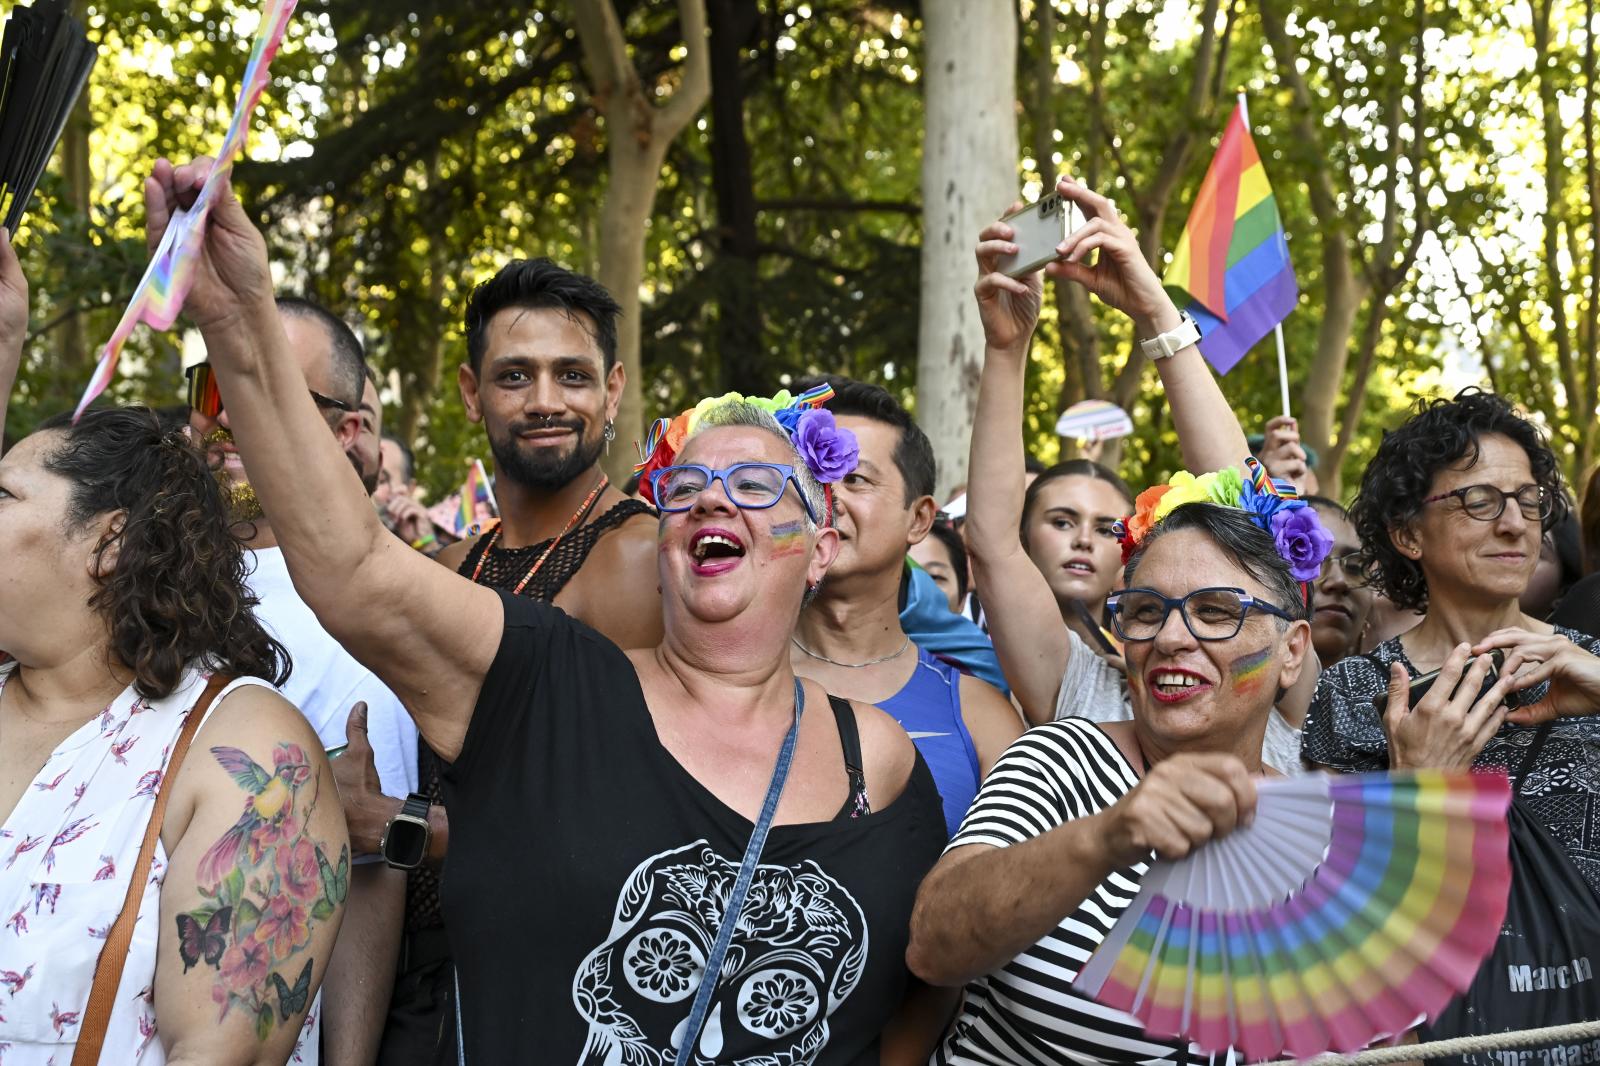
(929, 708)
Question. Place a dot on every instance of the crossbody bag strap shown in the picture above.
(1531, 756)
(108, 970)
(741, 887)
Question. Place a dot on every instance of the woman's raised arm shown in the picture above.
(1209, 433)
(427, 633)
(13, 322)
(1024, 619)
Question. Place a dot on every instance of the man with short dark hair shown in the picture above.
(326, 681)
(542, 377)
(850, 638)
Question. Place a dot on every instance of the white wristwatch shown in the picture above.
(1166, 345)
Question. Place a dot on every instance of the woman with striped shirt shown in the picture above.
(1053, 849)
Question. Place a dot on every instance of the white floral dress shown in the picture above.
(65, 855)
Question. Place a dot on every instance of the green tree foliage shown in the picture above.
(405, 150)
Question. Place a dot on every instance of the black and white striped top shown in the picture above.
(1027, 1011)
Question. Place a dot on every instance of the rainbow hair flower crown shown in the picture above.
(1275, 506)
(829, 451)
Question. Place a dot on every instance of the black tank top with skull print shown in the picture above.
(588, 872)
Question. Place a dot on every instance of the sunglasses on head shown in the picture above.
(205, 399)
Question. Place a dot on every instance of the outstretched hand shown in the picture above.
(1008, 307)
(232, 275)
(1120, 276)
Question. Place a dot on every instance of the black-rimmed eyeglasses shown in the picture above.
(1138, 615)
(1487, 503)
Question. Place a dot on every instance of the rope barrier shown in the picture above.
(1461, 1045)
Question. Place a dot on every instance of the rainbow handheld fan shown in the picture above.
(1350, 908)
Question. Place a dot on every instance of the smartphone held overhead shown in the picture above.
(1037, 230)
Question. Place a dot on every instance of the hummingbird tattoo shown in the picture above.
(268, 805)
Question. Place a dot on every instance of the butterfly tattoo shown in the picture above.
(207, 942)
(292, 1001)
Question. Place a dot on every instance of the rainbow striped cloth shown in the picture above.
(160, 295)
(1231, 270)
(476, 490)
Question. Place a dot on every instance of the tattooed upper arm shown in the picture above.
(255, 886)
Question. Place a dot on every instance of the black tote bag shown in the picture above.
(1542, 971)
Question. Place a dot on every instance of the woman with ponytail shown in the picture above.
(197, 902)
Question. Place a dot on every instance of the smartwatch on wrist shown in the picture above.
(405, 838)
(1166, 345)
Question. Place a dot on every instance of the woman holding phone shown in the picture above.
(1035, 551)
(1451, 513)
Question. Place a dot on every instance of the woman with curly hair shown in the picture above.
(199, 902)
(1451, 515)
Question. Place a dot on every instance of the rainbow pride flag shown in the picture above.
(475, 492)
(1231, 270)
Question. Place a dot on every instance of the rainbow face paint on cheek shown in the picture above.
(789, 539)
(1250, 671)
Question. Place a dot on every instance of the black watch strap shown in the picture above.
(416, 805)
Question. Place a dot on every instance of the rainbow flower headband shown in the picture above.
(1275, 506)
(829, 451)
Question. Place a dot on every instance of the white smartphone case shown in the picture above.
(1039, 228)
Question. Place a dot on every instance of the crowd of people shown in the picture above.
(766, 756)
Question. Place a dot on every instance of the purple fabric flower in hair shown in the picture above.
(789, 418)
(829, 451)
(1301, 540)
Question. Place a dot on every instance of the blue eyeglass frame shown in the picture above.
(1181, 605)
(713, 475)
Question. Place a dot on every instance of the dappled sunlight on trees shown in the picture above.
(1434, 165)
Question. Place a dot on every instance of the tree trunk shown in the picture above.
(740, 348)
(638, 133)
(1580, 407)
(1591, 311)
(72, 346)
(631, 176)
(1080, 337)
(969, 174)
(1344, 289)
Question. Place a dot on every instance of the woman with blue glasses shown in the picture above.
(679, 854)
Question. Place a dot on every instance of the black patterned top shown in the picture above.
(502, 570)
(1562, 788)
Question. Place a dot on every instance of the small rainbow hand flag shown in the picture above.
(1231, 270)
(167, 279)
(477, 490)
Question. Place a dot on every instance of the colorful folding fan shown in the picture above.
(166, 282)
(1350, 908)
(45, 59)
